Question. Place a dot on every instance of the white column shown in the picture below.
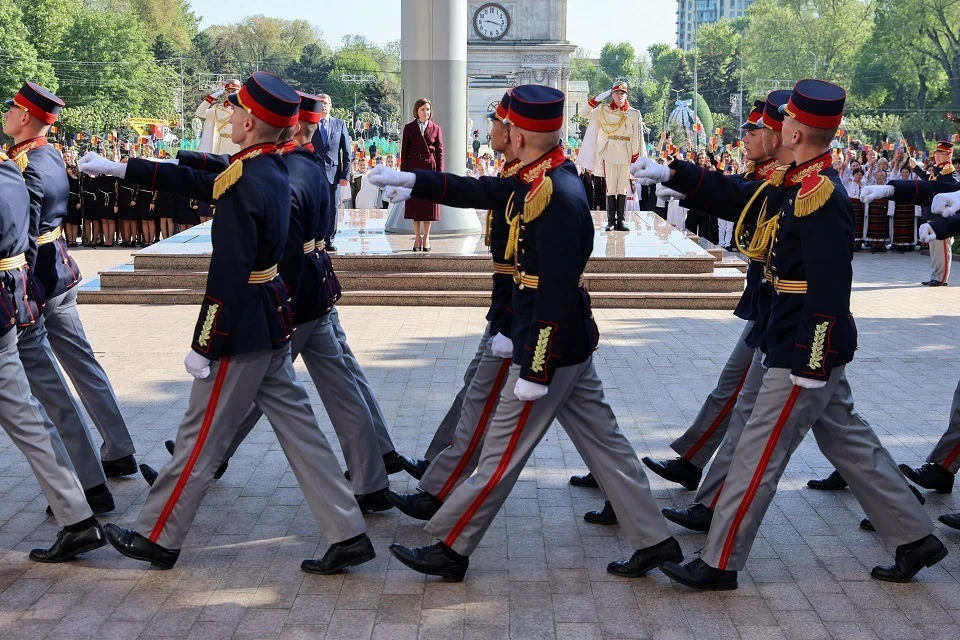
(433, 64)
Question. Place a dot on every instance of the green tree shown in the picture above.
(583, 68)
(19, 57)
(682, 79)
(46, 21)
(618, 61)
(717, 45)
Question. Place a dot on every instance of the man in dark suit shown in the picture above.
(332, 143)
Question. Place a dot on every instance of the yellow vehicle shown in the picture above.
(154, 128)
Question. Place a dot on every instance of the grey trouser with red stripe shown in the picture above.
(49, 387)
(73, 350)
(701, 440)
(349, 414)
(455, 463)
(27, 425)
(947, 451)
(781, 417)
(941, 258)
(448, 426)
(575, 398)
(366, 389)
(217, 405)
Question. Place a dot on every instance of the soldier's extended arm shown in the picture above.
(919, 192)
(172, 178)
(711, 191)
(456, 191)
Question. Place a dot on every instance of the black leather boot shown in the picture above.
(621, 212)
(420, 505)
(416, 467)
(699, 575)
(70, 544)
(376, 501)
(679, 470)
(930, 476)
(125, 466)
(644, 560)
(341, 555)
(606, 516)
(586, 480)
(133, 545)
(611, 213)
(696, 517)
(951, 520)
(833, 482)
(911, 558)
(434, 560)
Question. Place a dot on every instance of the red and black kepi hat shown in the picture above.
(500, 113)
(945, 146)
(753, 118)
(816, 103)
(536, 108)
(310, 107)
(38, 102)
(772, 116)
(619, 85)
(268, 98)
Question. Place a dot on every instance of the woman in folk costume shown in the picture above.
(854, 187)
(421, 148)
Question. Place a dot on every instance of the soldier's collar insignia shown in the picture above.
(287, 147)
(614, 107)
(538, 169)
(18, 153)
(815, 188)
(763, 170)
(254, 151)
(510, 169)
(946, 168)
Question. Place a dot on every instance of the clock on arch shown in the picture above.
(491, 21)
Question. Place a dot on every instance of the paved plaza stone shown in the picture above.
(540, 571)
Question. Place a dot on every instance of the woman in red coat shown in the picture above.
(421, 148)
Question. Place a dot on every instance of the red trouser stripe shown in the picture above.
(731, 401)
(946, 464)
(946, 260)
(494, 479)
(757, 476)
(478, 432)
(195, 453)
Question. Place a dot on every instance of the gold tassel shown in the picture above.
(22, 161)
(750, 167)
(537, 200)
(489, 230)
(740, 231)
(227, 178)
(514, 224)
(813, 199)
(776, 178)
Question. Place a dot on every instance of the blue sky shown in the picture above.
(590, 23)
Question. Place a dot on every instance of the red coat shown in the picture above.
(421, 152)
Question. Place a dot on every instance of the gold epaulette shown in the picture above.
(537, 199)
(947, 170)
(3, 156)
(23, 161)
(810, 199)
(227, 178)
(750, 168)
(776, 178)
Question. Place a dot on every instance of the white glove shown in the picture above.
(875, 192)
(382, 176)
(946, 204)
(501, 346)
(216, 94)
(93, 164)
(807, 383)
(647, 172)
(603, 96)
(529, 391)
(394, 195)
(665, 193)
(925, 233)
(197, 365)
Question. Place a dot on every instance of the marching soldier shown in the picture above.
(455, 449)
(311, 287)
(215, 113)
(35, 110)
(619, 142)
(240, 350)
(24, 420)
(552, 374)
(807, 337)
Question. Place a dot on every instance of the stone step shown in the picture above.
(403, 263)
(719, 281)
(91, 293)
(731, 262)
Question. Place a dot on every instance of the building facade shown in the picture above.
(514, 42)
(693, 13)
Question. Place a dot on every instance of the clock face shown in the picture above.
(491, 21)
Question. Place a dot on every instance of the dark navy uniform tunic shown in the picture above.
(21, 298)
(248, 235)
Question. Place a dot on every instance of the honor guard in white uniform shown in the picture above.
(619, 143)
(215, 113)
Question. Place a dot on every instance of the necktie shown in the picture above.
(323, 131)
